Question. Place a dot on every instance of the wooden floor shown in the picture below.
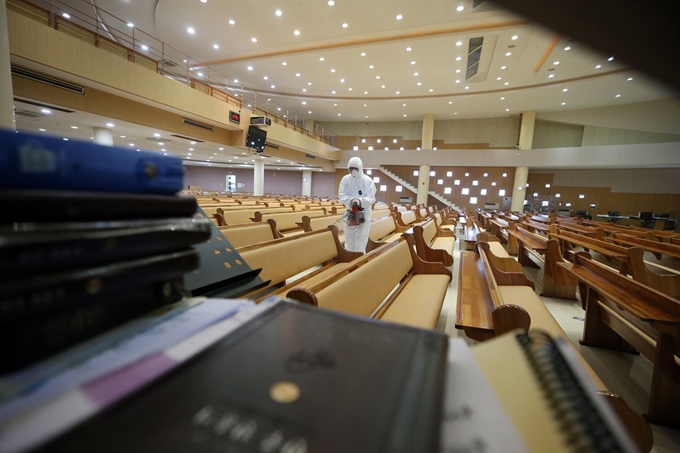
(628, 375)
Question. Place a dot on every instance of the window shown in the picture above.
(493, 183)
(398, 188)
(383, 188)
(368, 172)
(557, 195)
(482, 192)
(449, 174)
(505, 175)
(440, 181)
(415, 172)
(456, 182)
(475, 183)
(465, 191)
(545, 203)
(432, 173)
(447, 191)
(581, 196)
(376, 179)
(501, 192)
(473, 200)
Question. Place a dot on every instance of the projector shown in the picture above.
(260, 121)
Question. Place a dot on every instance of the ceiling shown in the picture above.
(395, 60)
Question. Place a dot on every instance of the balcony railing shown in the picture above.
(112, 34)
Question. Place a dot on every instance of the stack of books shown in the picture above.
(90, 237)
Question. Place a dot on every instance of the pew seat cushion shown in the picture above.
(444, 243)
(415, 304)
(498, 250)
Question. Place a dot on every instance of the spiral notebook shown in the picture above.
(549, 396)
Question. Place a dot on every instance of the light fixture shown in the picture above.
(191, 31)
(465, 191)
(46, 111)
(556, 63)
(296, 32)
(331, 3)
(66, 15)
(408, 49)
(345, 25)
(217, 46)
(278, 13)
(501, 193)
(459, 43)
(250, 68)
(253, 39)
(460, 8)
(399, 17)
(568, 48)
(514, 37)
(456, 182)
(109, 125)
(321, 58)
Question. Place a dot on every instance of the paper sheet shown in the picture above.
(473, 419)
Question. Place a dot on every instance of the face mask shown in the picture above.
(354, 173)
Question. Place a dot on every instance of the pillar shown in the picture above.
(526, 129)
(424, 171)
(306, 183)
(258, 170)
(519, 189)
(102, 136)
(7, 120)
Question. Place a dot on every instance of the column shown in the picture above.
(424, 171)
(102, 136)
(7, 120)
(258, 186)
(306, 183)
(526, 129)
(519, 189)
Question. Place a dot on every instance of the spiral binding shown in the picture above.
(584, 428)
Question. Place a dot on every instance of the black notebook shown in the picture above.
(294, 379)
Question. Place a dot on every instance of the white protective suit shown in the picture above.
(359, 187)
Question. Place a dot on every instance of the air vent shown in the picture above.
(193, 123)
(169, 63)
(270, 145)
(27, 114)
(310, 156)
(158, 139)
(186, 138)
(44, 106)
(47, 80)
(474, 55)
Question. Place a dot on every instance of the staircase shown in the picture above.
(415, 189)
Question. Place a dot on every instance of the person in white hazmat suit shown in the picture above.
(356, 187)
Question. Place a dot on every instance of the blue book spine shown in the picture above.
(32, 161)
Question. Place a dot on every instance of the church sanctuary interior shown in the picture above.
(526, 161)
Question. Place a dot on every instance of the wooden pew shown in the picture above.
(287, 221)
(536, 226)
(471, 230)
(607, 249)
(251, 233)
(653, 246)
(597, 233)
(522, 242)
(282, 259)
(433, 243)
(626, 315)
(390, 283)
(498, 225)
(405, 220)
(443, 222)
(492, 302)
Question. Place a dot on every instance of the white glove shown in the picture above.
(357, 201)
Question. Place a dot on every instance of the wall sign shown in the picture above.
(234, 117)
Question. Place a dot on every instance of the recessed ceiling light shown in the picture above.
(345, 25)
(450, 102)
(46, 111)
(382, 86)
(66, 15)
(498, 78)
(304, 90)
(309, 83)
(551, 76)
(339, 114)
(371, 67)
(506, 83)
(565, 89)
(297, 74)
(502, 98)
(629, 79)
(42, 130)
(405, 115)
(507, 110)
(413, 62)
(278, 12)
(567, 48)
(200, 74)
(363, 54)
(460, 8)
(403, 105)
(296, 32)
(109, 124)
(130, 24)
(349, 89)
(156, 134)
(216, 46)
(321, 58)
(415, 74)
(459, 43)
(458, 81)
(504, 67)
(564, 103)
(431, 90)
(365, 105)
(507, 54)
(397, 92)
(556, 63)
(331, 3)
(250, 68)
(235, 80)
(191, 31)
(74, 127)
(514, 37)
(399, 17)
(342, 80)
(408, 49)
(459, 58)
(253, 39)
(304, 102)
(333, 92)
(310, 112)
(273, 86)
(266, 78)
(610, 59)
(457, 71)
(132, 144)
(598, 66)
(467, 87)
(618, 96)
(419, 83)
